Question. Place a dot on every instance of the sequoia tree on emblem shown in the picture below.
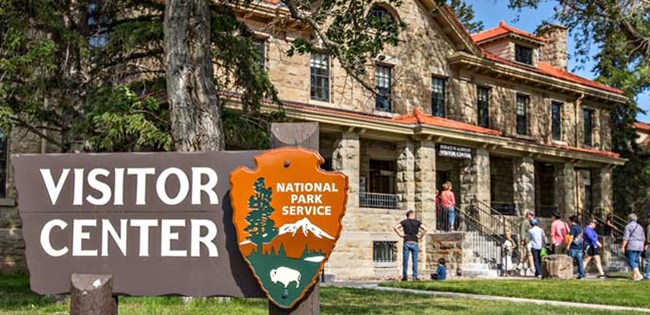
(287, 214)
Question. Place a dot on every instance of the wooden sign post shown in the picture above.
(305, 135)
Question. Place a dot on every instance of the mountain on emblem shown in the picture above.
(282, 238)
(306, 227)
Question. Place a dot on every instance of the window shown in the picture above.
(382, 83)
(522, 119)
(588, 116)
(3, 164)
(320, 77)
(438, 97)
(97, 31)
(483, 101)
(384, 251)
(260, 47)
(382, 176)
(524, 54)
(556, 120)
(381, 19)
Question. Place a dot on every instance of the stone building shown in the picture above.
(495, 113)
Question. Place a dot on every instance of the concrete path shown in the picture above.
(375, 286)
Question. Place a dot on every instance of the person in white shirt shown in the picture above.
(537, 239)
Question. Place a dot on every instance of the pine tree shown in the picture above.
(261, 227)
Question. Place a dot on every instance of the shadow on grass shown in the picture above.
(355, 301)
(15, 294)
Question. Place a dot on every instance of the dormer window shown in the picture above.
(524, 54)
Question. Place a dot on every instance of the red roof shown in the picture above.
(642, 126)
(504, 30)
(418, 117)
(546, 69)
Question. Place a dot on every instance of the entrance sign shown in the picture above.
(455, 152)
(159, 223)
(287, 214)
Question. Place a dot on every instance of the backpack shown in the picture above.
(577, 240)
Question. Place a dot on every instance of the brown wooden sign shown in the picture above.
(287, 214)
(159, 223)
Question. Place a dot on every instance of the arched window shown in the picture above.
(380, 18)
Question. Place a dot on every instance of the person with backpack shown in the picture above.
(633, 243)
(411, 230)
(576, 245)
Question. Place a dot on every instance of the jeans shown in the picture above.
(633, 258)
(451, 212)
(577, 255)
(537, 259)
(409, 248)
(646, 274)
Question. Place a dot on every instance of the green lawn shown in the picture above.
(16, 298)
(610, 292)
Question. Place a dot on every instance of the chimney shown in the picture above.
(554, 52)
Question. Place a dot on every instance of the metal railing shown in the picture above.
(378, 200)
(486, 229)
(487, 241)
(502, 207)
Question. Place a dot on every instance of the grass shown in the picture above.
(609, 292)
(16, 298)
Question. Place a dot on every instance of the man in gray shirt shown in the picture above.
(633, 242)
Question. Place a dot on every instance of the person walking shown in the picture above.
(593, 247)
(559, 230)
(525, 256)
(411, 230)
(633, 243)
(576, 243)
(448, 201)
(537, 241)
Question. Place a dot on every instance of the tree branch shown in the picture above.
(330, 45)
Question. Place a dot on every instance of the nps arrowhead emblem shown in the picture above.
(287, 214)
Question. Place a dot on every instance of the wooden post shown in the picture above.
(304, 135)
(92, 295)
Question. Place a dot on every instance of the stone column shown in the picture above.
(565, 189)
(425, 189)
(406, 175)
(603, 192)
(345, 158)
(425, 183)
(524, 184)
(475, 180)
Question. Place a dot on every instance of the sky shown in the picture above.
(492, 11)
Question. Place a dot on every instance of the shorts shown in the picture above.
(592, 251)
(633, 258)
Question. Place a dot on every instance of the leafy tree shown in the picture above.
(260, 225)
(465, 13)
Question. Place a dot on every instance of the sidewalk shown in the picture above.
(375, 286)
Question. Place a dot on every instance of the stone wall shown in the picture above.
(455, 248)
(12, 245)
